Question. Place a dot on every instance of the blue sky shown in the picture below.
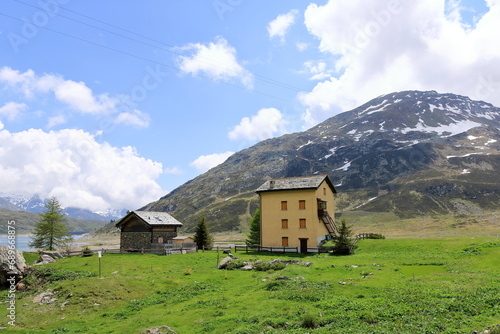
(115, 103)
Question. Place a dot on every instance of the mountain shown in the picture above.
(26, 220)
(35, 204)
(412, 153)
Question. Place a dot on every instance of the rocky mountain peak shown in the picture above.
(424, 138)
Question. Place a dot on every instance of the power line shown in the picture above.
(148, 60)
(167, 47)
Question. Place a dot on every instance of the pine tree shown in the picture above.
(51, 230)
(344, 244)
(202, 236)
(254, 235)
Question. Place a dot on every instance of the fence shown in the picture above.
(257, 248)
(168, 250)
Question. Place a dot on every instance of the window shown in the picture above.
(324, 191)
(302, 223)
(284, 223)
(302, 205)
(284, 241)
(284, 205)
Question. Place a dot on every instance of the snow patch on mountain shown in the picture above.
(443, 130)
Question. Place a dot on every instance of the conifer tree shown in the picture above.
(202, 236)
(254, 235)
(344, 244)
(51, 230)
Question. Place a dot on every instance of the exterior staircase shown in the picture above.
(330, 224)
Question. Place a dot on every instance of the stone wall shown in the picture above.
(167, 235)
(135, 240)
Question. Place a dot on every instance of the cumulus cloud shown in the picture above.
(267, 123)
(12, 109)
(206, 162)
(278, 27)
(71, 165)
(75, 95)
(216, 60)
(382, 46)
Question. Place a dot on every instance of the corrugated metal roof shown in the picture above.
(302, 182)
(157, 218)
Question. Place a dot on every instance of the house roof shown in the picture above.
(152, 218)
(292, 183)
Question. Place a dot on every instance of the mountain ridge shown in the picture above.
(403, 145)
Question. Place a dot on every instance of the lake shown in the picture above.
(22, 241)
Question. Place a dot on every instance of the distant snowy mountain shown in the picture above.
(16, 202)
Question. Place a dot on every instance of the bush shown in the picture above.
(265, 266)
(87, 252)
(309, 321)
(236, 264)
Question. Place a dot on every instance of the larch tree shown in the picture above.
(254, 235)
(51, 230)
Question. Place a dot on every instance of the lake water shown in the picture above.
(22, 241)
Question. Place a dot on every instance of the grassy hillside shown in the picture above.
(26, 220)
(388, 286)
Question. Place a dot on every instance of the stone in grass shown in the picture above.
(224, 263)
(159, 330)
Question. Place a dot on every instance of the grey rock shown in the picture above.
(224, 262)
(12, 264)
(248, 267)
(159, 330)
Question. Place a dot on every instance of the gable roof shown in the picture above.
(152, 218)
(292, 183)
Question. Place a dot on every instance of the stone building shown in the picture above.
(147, 230)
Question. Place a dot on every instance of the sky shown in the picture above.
(113, 104)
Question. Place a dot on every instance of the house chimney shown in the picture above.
(271, 184)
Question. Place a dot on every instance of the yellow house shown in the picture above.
(296, 211)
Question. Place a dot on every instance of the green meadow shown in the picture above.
(449, 285)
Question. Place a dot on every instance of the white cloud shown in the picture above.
(12, 109)
(134, 117)
(56, 120)
(75, 95)
(173, 171)
(280, 25)
(383, 46)
(301, 46)
(318, 70)
(205, 162)
(267, 123)
(216, 61)
(71, 165)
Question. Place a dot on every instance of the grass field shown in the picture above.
(447, 285)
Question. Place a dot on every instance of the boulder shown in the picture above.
(224, 262)
(12, 264)
(247, 267)
(228, 252)
(53, 254)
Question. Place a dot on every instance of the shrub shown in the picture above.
(87, 252)
(265, 266)
(309, 321)
(236, 264)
